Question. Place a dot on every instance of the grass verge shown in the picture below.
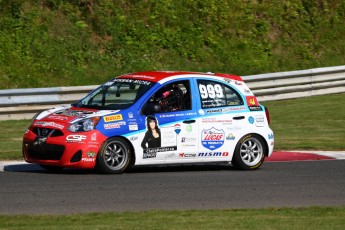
(11, 139)
(313, 123)
(277, 218)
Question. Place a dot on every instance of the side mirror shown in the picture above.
(151, 108)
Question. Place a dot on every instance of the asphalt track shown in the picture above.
(287, 179)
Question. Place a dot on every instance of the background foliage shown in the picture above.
(58, 42)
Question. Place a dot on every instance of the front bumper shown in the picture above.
(62, 148)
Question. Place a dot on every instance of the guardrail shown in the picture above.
(24, 103)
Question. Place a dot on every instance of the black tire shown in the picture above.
(52, 169)
(114, 157)
(249, 153)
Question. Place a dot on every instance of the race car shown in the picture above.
(152, 118)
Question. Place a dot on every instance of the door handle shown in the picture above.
(238, 118)
(189, 121)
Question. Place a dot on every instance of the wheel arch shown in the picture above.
(261, 137)
(129, 144)
(252, 155)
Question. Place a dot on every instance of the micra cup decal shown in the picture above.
(212, 138)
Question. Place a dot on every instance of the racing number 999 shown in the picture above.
(211, 91)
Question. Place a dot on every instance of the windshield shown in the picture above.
(115, 94)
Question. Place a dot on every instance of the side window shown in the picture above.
(175, 96)
(214, 94)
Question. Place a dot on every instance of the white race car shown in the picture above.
(150, 118)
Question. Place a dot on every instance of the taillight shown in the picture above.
(267, 115)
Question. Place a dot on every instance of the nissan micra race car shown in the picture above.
(151, 118)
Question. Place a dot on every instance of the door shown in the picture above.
(171, 129)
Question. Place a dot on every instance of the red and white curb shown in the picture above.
(303, 155)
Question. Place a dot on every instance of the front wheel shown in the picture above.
(114, 156)
(249, 152)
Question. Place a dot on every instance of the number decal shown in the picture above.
(219, 91)
(211, 91)
(203, 91)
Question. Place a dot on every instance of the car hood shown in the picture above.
(70, 114)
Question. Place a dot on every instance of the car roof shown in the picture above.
(156, 76)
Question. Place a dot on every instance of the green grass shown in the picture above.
(11, 137)
(278, 218)
(313, 123)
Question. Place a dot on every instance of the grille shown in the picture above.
(45, 132)
(45, 151)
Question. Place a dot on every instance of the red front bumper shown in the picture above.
(64, 149)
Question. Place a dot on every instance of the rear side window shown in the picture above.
(215, 94)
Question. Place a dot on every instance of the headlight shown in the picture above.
(84, 125)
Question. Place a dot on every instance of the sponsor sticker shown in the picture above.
(133, 127)
(152, 152)
(247, 91)
(252, 101)
(189, 128)
(134, 138)
(259, 121)
(214, 120)
(170, 155)
(76, 138)
(226, 109)
(57, 117)
(141, 82)
(187, 155)
(112, 126)
(230, 136)
(51, 124)
(212, 138)
(213, 154)
(255, 108)
(188, 139)
(88, 160)
(177, 128)
(117, 117)
(91, 154)
(94, 137)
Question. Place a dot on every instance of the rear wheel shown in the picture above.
(114, 157)
(249, 152)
